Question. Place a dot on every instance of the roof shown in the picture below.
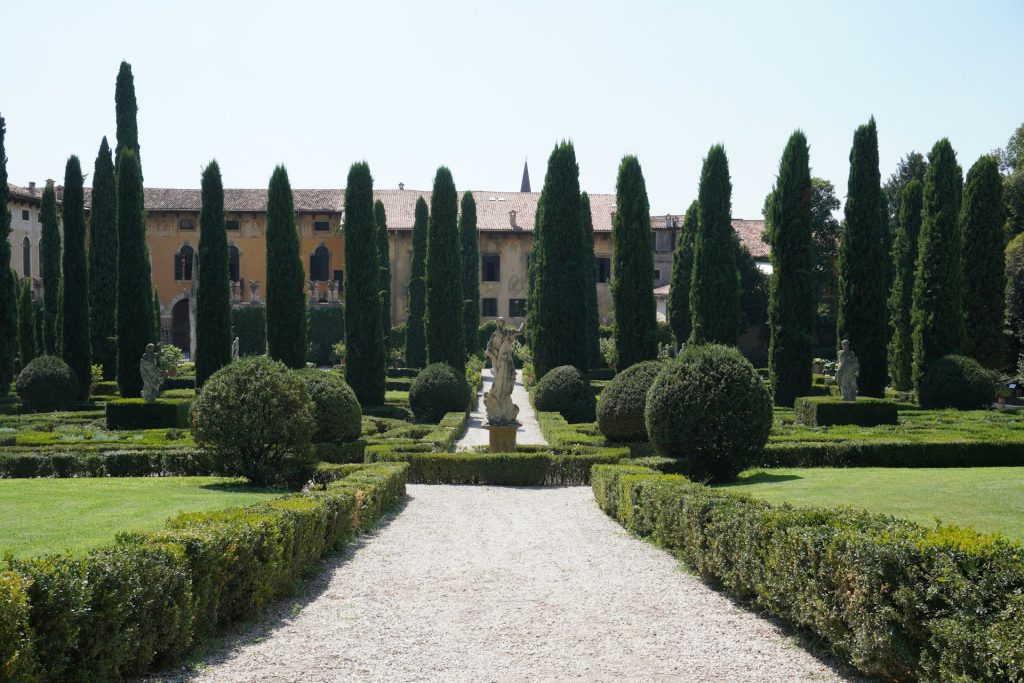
(242, 200)
(24, 193)
(750, 232)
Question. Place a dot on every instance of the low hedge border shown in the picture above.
(894, 454)
(348, 452)
(897, 600)
(825, 411)
(104, 388)
(135, 413)
(189, 462)
(146, 599)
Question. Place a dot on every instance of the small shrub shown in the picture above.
(956, 382)
(825, 411)
(620, 414)
(47, 384)
(437, 390)
(564, 390)
(171, 357)
(335, 407)
(134, 413)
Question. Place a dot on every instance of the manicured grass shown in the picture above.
(989, 499)
(54, 515)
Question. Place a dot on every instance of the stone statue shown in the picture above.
(254, 291)
(498, 401)
(234, 350)
(152, 377)
(847, 369)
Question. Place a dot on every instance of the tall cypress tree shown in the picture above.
(49, 264)
(636, 324)
(103, 264)
(8, 295)
(135, 325)
(715, 284)
(416, 341)
(558, 320)
(981, 224)
(864, 265)
(26, 324)
(791, 300)
(286, 299)
(470, 272)
(443, 322)
(366, 360)
(679, 317)
(533, 261)
(384, 260)
(938, 311)
(588, 271)
(213, 292)
(75, 346)
(126, 109)
(901, 297)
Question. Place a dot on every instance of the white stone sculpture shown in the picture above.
(498, 401)
(847, 369)
(152, 377)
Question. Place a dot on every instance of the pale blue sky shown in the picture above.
(479, 86)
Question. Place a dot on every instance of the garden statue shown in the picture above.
(152, 377)
(847, 369)
(234, 350)
(498, 401)
(254, 291)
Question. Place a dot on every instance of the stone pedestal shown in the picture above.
(502, 438)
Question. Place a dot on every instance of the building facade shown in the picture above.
(25, 204)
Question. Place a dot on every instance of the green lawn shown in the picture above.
(54, 515)
(989, 499)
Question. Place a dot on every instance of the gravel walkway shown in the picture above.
(507, 584)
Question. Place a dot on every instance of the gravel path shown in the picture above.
(507, 584)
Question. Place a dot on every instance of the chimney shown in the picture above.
(49, 182)
(32, 186)
(512, 220)
(401, 186)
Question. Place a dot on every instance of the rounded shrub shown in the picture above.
(711, 410)
(438, 389)
(336, 409)
(565, 390)
(256, 419)
(956, 382)
(620, 412)
(47, 384)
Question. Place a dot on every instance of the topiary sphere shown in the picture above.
(47, 384)
(336, 409)
(620, 412)
(565, 390)
(710, 409)
(437, 390)
(256, 418)
(956, 382)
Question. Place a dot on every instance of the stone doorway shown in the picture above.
(181, 327)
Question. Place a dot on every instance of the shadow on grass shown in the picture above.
(761, 478)
(241, 486)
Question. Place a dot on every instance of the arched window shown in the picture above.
(234, 270)
(320, 264)
(183, 262)
(26, 258)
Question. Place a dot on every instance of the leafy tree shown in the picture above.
(384, 260)
(49, 264)
(286, 299)
(470, 271)
(445, 335)
(589, 275)
(636, 324)
(213, 292)
(1011, 163)
(863, 265)
(26, 325)
(981, 225)
(416, 341)
(904, 259)
(911, 167)
(825, 236)
(8, 295)
(938, 311)
(1015, 288)
(126, 109)
(103, 264)
(753, 290)
(75, 288)
(714, 286)
(365, 363)
(679, 317)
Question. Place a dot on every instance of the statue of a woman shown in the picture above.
(152, 377)
(498, 401)
(847, 369)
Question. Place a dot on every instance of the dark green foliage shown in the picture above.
(16, 655)
(1011, 163)
(632, 294)
(326, 328)
(47, 384)
(436, 391)
(213, 293)
(366, 359)
(103, 264)
(250, 326)
(286, 300)
(791, 301)
(469, 242)
(679, 316)
(499, 469)
(825, 235)
(1014, 256)
(126, 110)
(981, 224)
(825, 411)
(714, 285)
(75, 285)
(911, 167)
(8, 285)
(556, 320)
(135, 324)
(938, 311)
(904, 259)
(135, 413)
(336, 411)
(956, 382)
(620, 413)
(384, 260)
(710, 409)
(49, 264)
(26, 326)
(588, 272)
(565, 390)
(753, 291)
(416, 341)
(484, 332)
(863, 265)
(444, 313)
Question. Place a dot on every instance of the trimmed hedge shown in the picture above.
(893, 454)
(105, 388)
(620, 413)
(249, 324)
(120, 463)
(335, 406)
(821, 411)
(564, 390)
(956, 382)
(47, 384)
(500, 469)
(326, 325)
(350, 452)
(438, 390)
(172, 383)
(135, 413)
(897, 600)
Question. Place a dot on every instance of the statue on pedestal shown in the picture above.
(847, 369)
(498, 401)
(152, 377)
(234, 350)
(254, 291)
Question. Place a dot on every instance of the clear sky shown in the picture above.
(480, 86)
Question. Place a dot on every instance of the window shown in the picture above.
(186, 224)
(231, 225)
(234, 263)
(320, 264)
(604, 268)
(490, 268)
(517, 308)
(183, 262)
(657, 274)
(24, 214)
(489, 307)
(321, 226)
(26, 258)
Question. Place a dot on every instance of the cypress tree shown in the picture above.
(49, 264)
(715, 284)
(864, 265)
(416, 341)
(103, 264)
(384, 260)
(588, 271)
(470, 272)
(135, 325)
(791, 300)
(126, 109)
(8, 295)
(938, 311)
(981, 225)
(26, 324)
(75, 346)
(286, 299)
(558, 320)
(444, 322)
(636, 324)
(213, 292)
(366, 360)
(904, 259)
(533, 260)
(679, 318)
